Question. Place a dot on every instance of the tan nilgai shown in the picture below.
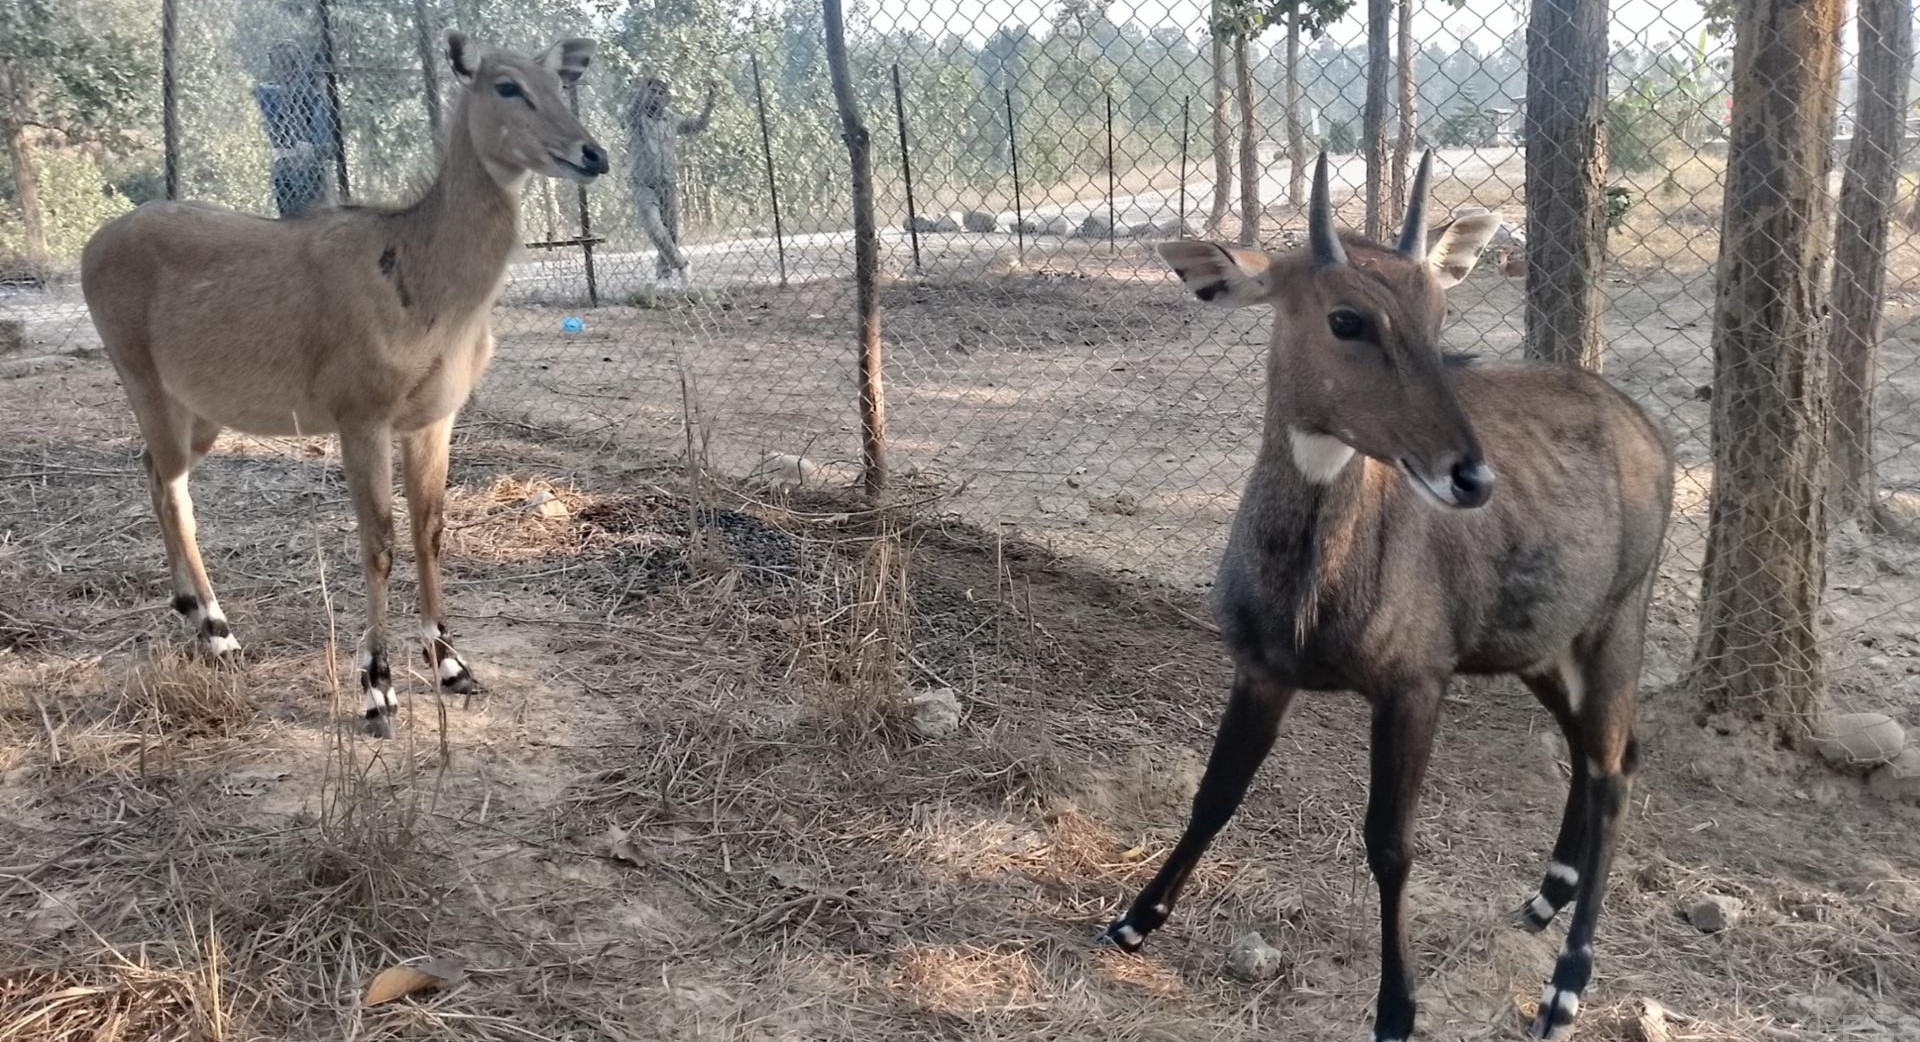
(364, 322)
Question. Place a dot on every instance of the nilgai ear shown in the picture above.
(568, 58)
(1217, 274)
(457, 56)
(1454, 247)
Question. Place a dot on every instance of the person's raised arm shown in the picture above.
(696, 124)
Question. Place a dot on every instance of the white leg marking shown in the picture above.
(1540, 908)
(1320, 458)
(1128, 933)
(1574, 681)
(223, 644)
(1567, 1002)
(451, 667)
(1564, 873)
(1160, 909)
(430, 632)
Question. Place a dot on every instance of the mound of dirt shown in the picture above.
(658, 544)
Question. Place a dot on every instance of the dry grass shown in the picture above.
(685, 808)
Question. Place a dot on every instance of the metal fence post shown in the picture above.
(766, 150)
(169, 108)
(906, 167)
(1184, 102)
(1111, 176)
(323, 11)
(430, 82)
(586, 215)
(1013, 153)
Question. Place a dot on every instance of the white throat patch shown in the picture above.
(1320, 458)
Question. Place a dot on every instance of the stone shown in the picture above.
(1851, 739)
(1253, 960)
(782, 468)
(933, 714)
(1095, 227)
(980, 221)
(1650, 1023)
(1898, 778)
(1715, 912)
(545, 504)
(945, 222)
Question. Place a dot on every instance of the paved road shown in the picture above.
(829, 255)
(59, 318)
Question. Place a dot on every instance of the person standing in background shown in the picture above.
(293, 103)
(653, 130)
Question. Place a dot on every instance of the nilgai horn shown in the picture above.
(363, 322)
(1411, 516)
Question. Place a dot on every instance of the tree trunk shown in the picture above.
(1860, 249)
(1404, 144)
(1566, 180)
(26, 181)
(1296, 133)
(1222, 131)
(866, 260)
(1249, 146)
(1373, 114)
(1758, 655)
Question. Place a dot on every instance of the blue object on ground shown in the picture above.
(572, 324)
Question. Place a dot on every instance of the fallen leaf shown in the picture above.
(53, 916)
(253, 781)
(791, 877)
(620, 846)
(397, 982)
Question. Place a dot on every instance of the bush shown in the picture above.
(1640, 135)
(1342, 139)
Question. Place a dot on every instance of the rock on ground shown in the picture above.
(1898, 778)
(1850, 739)
(980, 221)
(933, 714)
(1095, 227)
(1715, 912)
(1253, 959)
(782, 468)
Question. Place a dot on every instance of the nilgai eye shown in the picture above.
(1346, 325)
(507, 89)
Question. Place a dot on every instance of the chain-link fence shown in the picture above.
(1042, 372)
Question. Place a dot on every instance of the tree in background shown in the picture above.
(1311, 17)
(1758, 653)
(1860, 251)
(1373, 114)
(74, 75)
(1405, 71)
(1220, 118)
(1566, 179)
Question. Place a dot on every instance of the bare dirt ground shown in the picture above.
(682, 812)
(684, 808)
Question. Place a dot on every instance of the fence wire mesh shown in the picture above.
(1043, 372)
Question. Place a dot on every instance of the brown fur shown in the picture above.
(1372, 552)
(362, 322)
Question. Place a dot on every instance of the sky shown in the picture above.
(1485, 22)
